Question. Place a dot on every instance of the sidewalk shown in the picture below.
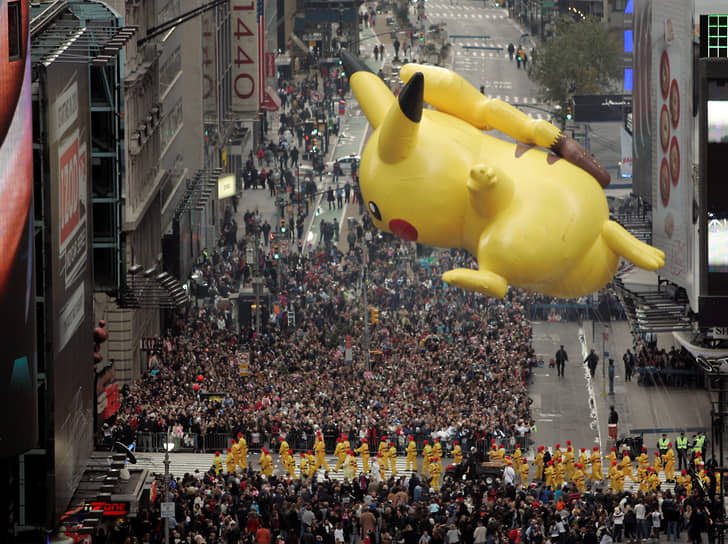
(640, 407)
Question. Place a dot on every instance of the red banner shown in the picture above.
(113, 400)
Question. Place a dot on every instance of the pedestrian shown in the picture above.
(561, 358)
(381, 52)
(682, 451)
(519, 57)
(376, 52)
(628, 359)
(591, 361)
(511, 50)
(613, 416)
(524, 59)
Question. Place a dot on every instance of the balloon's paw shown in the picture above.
(483, 281)
(624, 244)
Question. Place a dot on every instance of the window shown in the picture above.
(15, 33)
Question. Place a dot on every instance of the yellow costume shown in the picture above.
(523, 470)
(549, 475)
(517, 455)
(669, 459)
(363, 450)
(583, 459)
(653, 480)
(596, 465)
(435, 472)
(611, 457)
(340, 454)
(236, 452)
(457, 454)
(217, 463)
(612, 475)
(626, 466)
(569, 463)
(411, 460)
(426, 454)
(556, 457)
(320, 448)
(284, 447)
(352, 465)
(383, 446)
(684, 480)
(437, 452)
(382, 462)
(657, 463)
(303, 467)
(559, 472)
(289, 463)
(266, 466)
(243, 458)
(311, 463)
(643, 461)
(489, 196)
(392, 457)
(579, 478)
(538, 462)
(230, 461)
(493, 454)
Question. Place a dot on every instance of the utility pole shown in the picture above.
(365, 287)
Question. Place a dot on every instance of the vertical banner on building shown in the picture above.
(260, 19)
(642, 101)
(245, 55)
(69, 219)
(209, 67)
(672, 194)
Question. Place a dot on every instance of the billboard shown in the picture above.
(19, 427)
(209, 67)
(662, 133)
(642, 101)
(673, 183)
(68, 217)
(246, 42)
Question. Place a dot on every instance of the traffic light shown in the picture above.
(569, 113)
(497, 4)
(374, 316)
(283, 225)
(276, 254)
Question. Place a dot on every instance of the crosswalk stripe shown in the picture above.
(181, 463)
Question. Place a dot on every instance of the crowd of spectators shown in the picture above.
(248, 508)
(467, 382)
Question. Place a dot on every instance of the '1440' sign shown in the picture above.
(245, 55)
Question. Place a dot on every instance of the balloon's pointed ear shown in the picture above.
(398, 136)
(373, 95)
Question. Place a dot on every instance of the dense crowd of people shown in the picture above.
(466, 383)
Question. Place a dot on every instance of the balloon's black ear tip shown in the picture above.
(411, 99)
(352, 63)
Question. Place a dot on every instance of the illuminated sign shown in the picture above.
(226, 186)
(111, 509)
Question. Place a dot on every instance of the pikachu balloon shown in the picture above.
(531, 218)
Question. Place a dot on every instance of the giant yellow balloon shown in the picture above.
(531, 218)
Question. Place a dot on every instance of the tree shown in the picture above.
(581, 58)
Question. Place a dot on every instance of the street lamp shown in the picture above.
(168, 446)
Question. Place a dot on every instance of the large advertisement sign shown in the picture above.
(642, 101)
(209, 67)
(246, 41)
(18, 426)
(673, 185)
(73, 374)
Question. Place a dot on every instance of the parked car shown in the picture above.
(346, 163)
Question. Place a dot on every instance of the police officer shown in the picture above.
(682, 451)
(662, 444)
(699, 445)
